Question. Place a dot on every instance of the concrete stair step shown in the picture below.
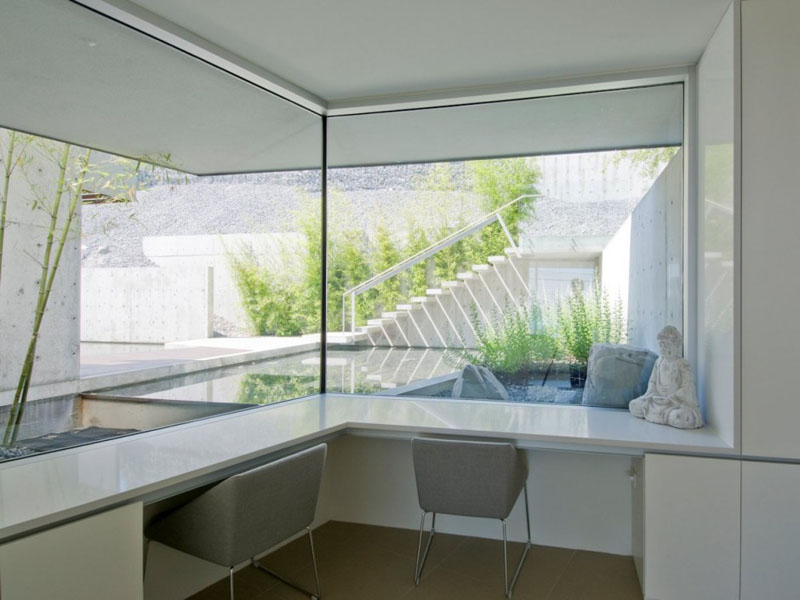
(394, 314)
(434, 292)
(381, 321)
(466, 276)
(497, 260)
(448, 285)
(405, 307)
(481, 268)
(421, 299)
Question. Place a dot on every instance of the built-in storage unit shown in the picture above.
(691, 528)
(770, 217)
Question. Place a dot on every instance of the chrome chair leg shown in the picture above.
(314, 595)
(145, 552)
(314, 562)
(230, 577)
(421, 564)
(510, 587)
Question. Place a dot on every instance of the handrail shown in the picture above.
(426, 253)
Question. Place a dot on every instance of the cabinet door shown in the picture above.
(770, 530)
(770, 214)
(96, 558)
(691, 528)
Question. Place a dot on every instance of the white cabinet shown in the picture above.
(691, 528)
(770, 530)
(770, 217)
(96, 558)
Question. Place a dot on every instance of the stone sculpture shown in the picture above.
(671, 398)
(478, 382)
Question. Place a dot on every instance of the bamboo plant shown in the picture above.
(53, 250)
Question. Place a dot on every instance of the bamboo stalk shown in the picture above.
(74, 203)
(49, 271)
(8, 169)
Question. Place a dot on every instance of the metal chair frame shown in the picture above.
(316, 595)
(509, 587)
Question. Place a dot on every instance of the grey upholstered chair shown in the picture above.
(471, 479)
(249, 513)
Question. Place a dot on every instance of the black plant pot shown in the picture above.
(577, 376)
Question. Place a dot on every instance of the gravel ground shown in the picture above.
(271, 202)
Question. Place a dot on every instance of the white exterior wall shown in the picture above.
(57, 352)
(146, 305)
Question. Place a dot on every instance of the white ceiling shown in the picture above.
(344, 50)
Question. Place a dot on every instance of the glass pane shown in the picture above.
(493, 279)
(170, 296)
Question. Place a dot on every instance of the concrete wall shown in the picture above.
(642, 264)
(149, 304)
(57, 355)
(277, 250)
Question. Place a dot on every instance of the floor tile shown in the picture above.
(596, 576)
(365, 562)
(444, 584)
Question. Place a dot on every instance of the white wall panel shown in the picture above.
(691, 528)
(96, 558)
(715, 260)
(770, 221)
(770, 530)
(576, 500)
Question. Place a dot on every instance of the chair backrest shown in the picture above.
(247, 513)
(473, 479)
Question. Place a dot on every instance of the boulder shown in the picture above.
(479, 383)
(617, 373)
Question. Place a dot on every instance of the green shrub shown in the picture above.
(513, 344)
(417, 276)
(286, 301)
(584, 320)
(273, 306)
(386, 256)
(497, 182)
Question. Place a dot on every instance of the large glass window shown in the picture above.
(175, 279)
(518, 270)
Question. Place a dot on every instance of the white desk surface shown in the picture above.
(42, 491)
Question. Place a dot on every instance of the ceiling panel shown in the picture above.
(73, 75)
(361, 48)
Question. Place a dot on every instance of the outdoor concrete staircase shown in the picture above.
(443, 317)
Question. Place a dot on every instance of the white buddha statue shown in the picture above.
(671, 398)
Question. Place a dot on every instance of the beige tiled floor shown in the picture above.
(360, 562)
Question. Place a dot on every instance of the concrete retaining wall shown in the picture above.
(146, 305)
(57, 353)
(642, 264)
(276, 250)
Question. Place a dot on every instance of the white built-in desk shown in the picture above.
(42, 491)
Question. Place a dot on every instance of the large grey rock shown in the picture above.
(617, 373)
(478, 382)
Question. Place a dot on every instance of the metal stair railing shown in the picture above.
(425, 254)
